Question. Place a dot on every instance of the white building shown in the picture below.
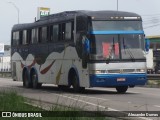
(5, 61)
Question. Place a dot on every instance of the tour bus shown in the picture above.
(80, 49)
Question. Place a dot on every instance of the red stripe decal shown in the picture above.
(45, 70)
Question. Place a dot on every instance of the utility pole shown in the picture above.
(117, 5)
(16, 9)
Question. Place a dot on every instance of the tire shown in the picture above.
(26, 80)
(121, 89)
(75, 84)
(34, 79)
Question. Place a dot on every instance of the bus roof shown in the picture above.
(67, 15)
(98, 14)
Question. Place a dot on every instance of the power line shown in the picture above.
(151, 15)
(151, 26)
(151, 18)
(151, 22)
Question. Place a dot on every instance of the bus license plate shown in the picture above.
(121, 79)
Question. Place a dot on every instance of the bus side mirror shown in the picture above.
(86, 51)
(147, 44)
(86, 44)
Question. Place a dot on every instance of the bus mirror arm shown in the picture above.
(147, 44)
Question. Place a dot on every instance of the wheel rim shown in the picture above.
(26, 82)
(34, 80)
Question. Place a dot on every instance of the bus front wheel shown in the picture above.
(75, 84)
(121, 89)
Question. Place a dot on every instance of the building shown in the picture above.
(154, 54)
(154, 42)
(5, 59)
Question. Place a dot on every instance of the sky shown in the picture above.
(148, 9)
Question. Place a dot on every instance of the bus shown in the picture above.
(80, 49)
(153, 54)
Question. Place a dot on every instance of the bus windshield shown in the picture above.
(116, 25)
(116, 47)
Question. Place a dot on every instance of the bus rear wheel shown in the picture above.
(26, 81)
(34, 79)
(121, 89)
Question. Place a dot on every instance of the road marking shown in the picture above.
(100, 106)
(69, 97)
(111, 90)
(110, 109)
(156, 105)
(92, 97)
(133, 92)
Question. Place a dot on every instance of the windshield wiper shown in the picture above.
(128, 50)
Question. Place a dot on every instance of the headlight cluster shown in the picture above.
(140, 70)
(98, 71)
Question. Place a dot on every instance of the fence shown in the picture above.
(5, 69)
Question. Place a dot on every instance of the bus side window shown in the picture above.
(48, 33)
(55, 33)
(68, 31)
(51, 33)
(39, 35)
(72, 31)
(34, 36)
(15, 38)
(20, 37)
(63, 31)
(24, 37)
(44, 35)
(60, 32)
(29, 34)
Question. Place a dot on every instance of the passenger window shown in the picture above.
(55, 33)
(44, 34)
(63, 32)
(68, 31)
(34, 36)
(15, 38)
(40, 35)
(24, 38)
(29, 36)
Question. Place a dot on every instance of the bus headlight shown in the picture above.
(97, 71)
(140, 70)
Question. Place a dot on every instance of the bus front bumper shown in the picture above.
(113, 80)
